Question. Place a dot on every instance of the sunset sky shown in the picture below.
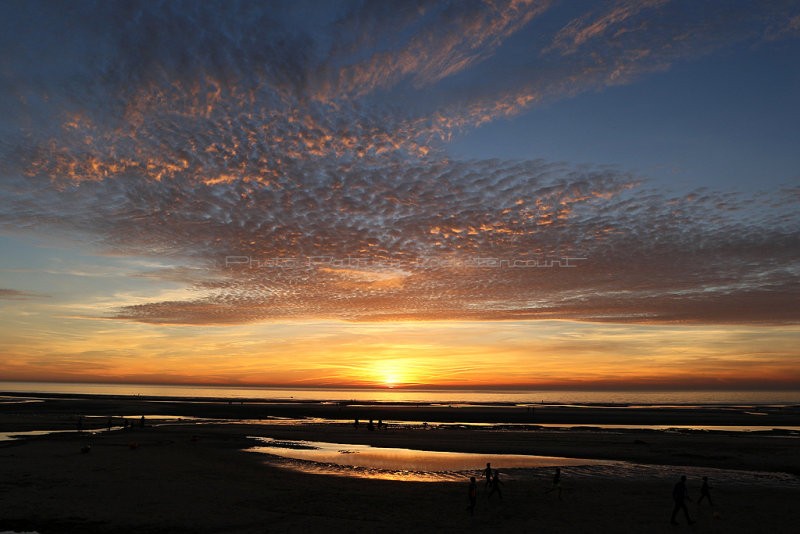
(537, 194)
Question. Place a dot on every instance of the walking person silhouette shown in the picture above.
(705, 493)
(556, 483)
(495, 485)
(680, 495)
(473, 495)
(488, 474)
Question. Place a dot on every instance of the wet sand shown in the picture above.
(195, 478)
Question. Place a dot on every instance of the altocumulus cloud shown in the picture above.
(207, 131)
(15, 294)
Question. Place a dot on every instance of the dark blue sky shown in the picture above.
(727, 121)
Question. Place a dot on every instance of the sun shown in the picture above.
(390, 375)
(394, 373)
(390, 381)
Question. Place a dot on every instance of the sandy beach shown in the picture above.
(193, 477)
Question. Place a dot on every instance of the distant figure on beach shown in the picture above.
(488, 474)
(556, 483)
(705, 493)
(355, 424)
(371, 425)
(680, 495)
(141, 422)
(110, 423)
(495, 485)
(473, 495)
(380, 424)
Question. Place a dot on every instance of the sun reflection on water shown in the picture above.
(364, 461)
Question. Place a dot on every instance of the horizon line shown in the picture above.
(440, 387)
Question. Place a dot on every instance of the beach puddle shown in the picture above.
(14, 400)
(674, 428)
(152, 420)
(8, 436)
(365, 461)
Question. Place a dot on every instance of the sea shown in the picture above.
(414, 395)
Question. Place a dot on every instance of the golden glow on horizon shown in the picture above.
(556, 354)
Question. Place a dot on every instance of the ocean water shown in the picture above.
(403, 395)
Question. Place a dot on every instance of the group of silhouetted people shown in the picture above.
(493, 484)
(110, 423)
(371, 425)
(680, 493)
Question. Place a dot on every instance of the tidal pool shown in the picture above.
(365, 461)
(395, 463)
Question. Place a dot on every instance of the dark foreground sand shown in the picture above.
(194, 478)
